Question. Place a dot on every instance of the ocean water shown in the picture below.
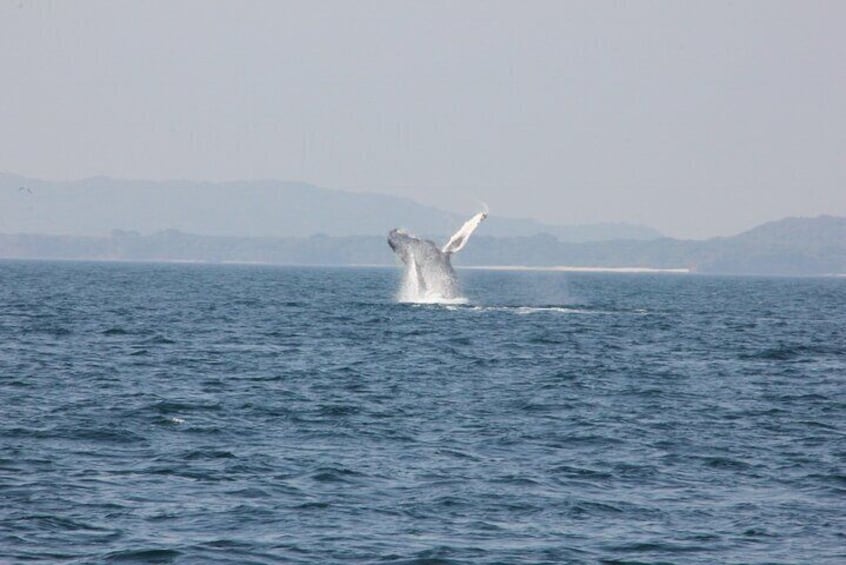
(245, 414)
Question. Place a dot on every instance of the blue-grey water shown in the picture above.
(245, 414)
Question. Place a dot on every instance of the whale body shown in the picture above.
(429, 275)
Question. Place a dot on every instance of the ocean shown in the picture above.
(186, 413)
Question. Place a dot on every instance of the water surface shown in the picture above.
(234, 414)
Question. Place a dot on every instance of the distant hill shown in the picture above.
(297, 223)
(793, 246)
(788, 246)
(96, 206)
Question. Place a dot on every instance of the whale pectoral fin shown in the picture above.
(459, 239)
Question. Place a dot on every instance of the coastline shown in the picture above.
(575, 269)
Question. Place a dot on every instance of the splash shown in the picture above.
(429, 277)
(411, 290)
(436, 289)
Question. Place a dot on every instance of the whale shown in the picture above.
(429, 275)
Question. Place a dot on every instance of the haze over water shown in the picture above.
(233, 414)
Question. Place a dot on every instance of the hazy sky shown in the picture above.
(697, 118)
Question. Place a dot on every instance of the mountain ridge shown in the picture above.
(815, 248)
(259, 208)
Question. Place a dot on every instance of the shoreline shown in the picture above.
(575, 269)
(503, 268)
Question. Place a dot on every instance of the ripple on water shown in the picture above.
(192, 414)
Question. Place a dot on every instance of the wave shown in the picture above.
(433, 299)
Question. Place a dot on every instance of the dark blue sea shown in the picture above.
(156, 413)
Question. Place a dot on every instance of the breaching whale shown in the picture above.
(429, 276)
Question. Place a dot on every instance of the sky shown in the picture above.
(697, 118)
